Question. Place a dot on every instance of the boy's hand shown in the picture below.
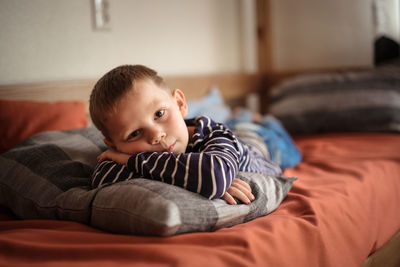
(113, 155)
(239, 189)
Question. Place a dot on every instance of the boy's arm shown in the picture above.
(111, 168)
(203, 173)
(109, 171)
(209, 172)
(116, 156)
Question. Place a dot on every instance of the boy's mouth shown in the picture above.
(170, 148)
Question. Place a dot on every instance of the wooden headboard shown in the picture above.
(232, 86)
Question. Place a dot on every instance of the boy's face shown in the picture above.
(148, 119)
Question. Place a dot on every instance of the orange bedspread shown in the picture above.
(344, 206)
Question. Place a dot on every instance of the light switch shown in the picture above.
(101, 15)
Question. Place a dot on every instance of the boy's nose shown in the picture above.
(157, 137)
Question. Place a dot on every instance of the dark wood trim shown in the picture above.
(264, 36)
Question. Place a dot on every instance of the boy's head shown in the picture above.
(110, 88)
(136, 112)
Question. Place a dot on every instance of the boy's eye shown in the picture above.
(134, 134)
(159, 113)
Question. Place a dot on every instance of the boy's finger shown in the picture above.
(243, 183)
(234, 191)
(228, 198)
(245, 191)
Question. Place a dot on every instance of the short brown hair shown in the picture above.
(110, 88)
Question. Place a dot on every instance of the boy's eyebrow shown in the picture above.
(123, 132)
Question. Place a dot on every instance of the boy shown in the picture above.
(144, 128)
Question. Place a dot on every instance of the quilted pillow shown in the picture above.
(363, 101)
(21, 119)
(48, 177)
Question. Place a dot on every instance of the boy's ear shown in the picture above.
(109, 144)
(180, 100)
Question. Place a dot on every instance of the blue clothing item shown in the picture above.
(211, 105)
(280, 145)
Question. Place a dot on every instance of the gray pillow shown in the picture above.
(48, 177)
(351, 101)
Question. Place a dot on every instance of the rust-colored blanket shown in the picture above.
(344, 206)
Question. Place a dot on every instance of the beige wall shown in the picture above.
(315, 34)
(53, 40)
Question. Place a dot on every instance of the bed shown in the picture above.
(338, 207)
(343, 209)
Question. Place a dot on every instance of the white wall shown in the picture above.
(315, 34)
(387, 19)
(50, 40)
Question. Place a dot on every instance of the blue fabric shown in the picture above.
(280, 145)
(212, 105)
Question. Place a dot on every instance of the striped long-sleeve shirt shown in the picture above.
(212, 160)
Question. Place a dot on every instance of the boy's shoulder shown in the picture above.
(203, 121)
(206, 129)
(205, 125)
